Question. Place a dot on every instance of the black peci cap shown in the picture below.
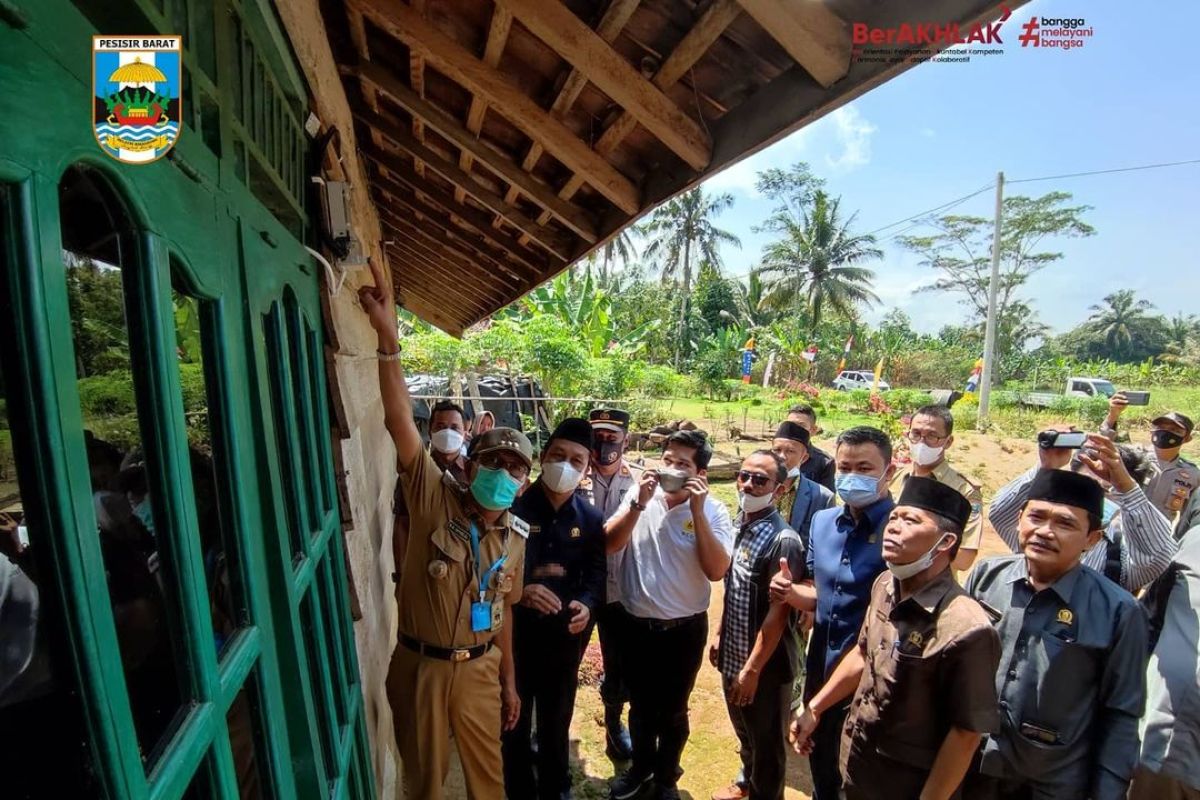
(793, 431)
(937, 497)
(1068, 488)
(573, 429)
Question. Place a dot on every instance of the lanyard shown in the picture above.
(486, 576)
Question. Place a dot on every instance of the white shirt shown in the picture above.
(661, 576)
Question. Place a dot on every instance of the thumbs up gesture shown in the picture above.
(781, 584)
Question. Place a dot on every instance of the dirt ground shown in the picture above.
(710, 761)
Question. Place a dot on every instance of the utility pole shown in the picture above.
(989, 340)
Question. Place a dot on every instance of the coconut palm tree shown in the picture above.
(681, 233)
(1119, 320)
(619, 247)
(1182, 331)
(816, 260)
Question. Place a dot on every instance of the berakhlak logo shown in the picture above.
(137, 105)
(1063, 33)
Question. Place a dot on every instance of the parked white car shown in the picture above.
(857, 379)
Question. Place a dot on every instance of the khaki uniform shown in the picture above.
(930, 665)
(945, 474)
(431, 696)
(1172, 485)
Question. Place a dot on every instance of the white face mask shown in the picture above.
(749, 504)
(794, 472)
(905, 571)
(447, 440)
(560, 476)
(924, 455)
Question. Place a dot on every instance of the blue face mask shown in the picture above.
(145, 514)
(857, 490)
(494, 489)
(1110, 511)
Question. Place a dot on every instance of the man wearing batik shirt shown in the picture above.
(754, 648)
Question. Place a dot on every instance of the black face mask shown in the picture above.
(1165, 440)
(607, 453)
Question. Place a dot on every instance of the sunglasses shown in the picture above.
(756, 479)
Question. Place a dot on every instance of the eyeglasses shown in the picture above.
(756, 479)
(931, 439)
(495, 461)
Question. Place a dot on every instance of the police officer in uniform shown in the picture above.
(1072, 678)
(1175, 478)
(564, 582)
(452, 670)
(609, 477)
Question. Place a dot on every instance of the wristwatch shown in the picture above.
(633, 503)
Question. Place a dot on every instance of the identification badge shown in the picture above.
(497, 614)
(482, 615)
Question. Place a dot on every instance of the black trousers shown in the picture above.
(761, 728)
(660, 667)
(824, 760)
(610, 621)
(546, 659)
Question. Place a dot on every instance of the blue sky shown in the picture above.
(942, 130)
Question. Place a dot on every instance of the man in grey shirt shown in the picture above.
(1169, 767)
(1072, 680)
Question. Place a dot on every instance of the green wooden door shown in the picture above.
(164, 440)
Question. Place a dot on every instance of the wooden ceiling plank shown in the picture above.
(471, 258)
(813, 35)
(557, 26)
(424, 240)
(462, 67)
(431, 270)
(434, 216)
(431, 313)
(551, 240)
(425, 245)
(476, 220)
(504, 168)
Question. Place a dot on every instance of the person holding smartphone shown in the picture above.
(1136, 543)
(1175, 478)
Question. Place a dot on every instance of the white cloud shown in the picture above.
(740, 178)
(853, 133)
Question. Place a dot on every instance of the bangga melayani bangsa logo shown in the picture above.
(137, 107)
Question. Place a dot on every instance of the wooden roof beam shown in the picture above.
(810, 33)
(712, 23)
(459, 65)
(522, 259)
(557, 26)
(504, 167)
(610, 27)
(468, 184)
(498, 32)
(432, 271)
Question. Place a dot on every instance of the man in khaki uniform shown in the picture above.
(930, 434)
(453, 668)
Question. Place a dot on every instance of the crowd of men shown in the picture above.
(1038, 675)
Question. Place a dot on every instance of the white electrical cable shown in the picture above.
(335, 283)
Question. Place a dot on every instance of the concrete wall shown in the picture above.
(368, 455)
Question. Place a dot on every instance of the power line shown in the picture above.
(1108, 171)
(960, 200)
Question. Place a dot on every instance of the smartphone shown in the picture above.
(1067, 439)
(1137, 398)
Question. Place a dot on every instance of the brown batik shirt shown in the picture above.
(931, 663)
